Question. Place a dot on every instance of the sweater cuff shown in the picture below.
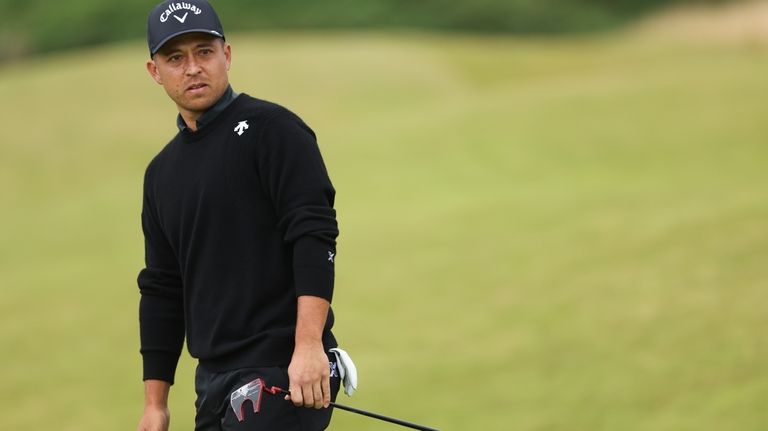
(160, 366)
(313, 267)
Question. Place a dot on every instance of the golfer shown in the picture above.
(240, 234)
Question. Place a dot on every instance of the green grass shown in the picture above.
(537, 234)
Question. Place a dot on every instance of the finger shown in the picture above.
(296, 397)
(309, 396)
(326, 391)
(306, 394)
(317, 390)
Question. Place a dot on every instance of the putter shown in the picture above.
(253, 390)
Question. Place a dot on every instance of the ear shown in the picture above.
(152, 69)
(228, 54)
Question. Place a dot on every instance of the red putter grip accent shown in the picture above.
(276, 390)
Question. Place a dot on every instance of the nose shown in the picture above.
(192, 67)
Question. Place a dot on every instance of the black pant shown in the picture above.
(275, 414)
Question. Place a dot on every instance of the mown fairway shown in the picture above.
(552, 234)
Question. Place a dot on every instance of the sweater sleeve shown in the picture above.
(161, 311)
(292, 171)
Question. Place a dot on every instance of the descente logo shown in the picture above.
(173, 7)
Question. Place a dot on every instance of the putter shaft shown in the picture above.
(382, 417)
(375, 415)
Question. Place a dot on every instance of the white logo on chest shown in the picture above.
(241, 127)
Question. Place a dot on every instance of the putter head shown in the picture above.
(249, 391)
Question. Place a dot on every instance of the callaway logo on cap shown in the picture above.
(171, 18)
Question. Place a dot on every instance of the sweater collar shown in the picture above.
(228, 97)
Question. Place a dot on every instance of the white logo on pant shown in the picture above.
(331, 257)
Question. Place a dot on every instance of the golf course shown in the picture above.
(537, 233)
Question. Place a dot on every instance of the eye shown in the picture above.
(175, 58)
(206, 51)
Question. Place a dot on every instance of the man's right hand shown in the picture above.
(156, 417)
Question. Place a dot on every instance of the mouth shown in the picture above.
(196, 87)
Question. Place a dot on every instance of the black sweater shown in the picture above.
(238, 221)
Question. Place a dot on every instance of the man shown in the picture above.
(240, 236)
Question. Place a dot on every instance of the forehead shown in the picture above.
(186, 41)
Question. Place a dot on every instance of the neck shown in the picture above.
(190, 118)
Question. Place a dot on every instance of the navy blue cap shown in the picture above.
(173, 18)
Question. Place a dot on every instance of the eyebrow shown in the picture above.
(173, 49)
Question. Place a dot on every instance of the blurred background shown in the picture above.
(554, 214)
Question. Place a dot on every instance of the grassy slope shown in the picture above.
(536, 234)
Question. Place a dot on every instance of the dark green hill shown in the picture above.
(36, 26)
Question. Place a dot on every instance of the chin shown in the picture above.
(198, 104)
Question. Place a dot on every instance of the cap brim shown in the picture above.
(191, 30)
